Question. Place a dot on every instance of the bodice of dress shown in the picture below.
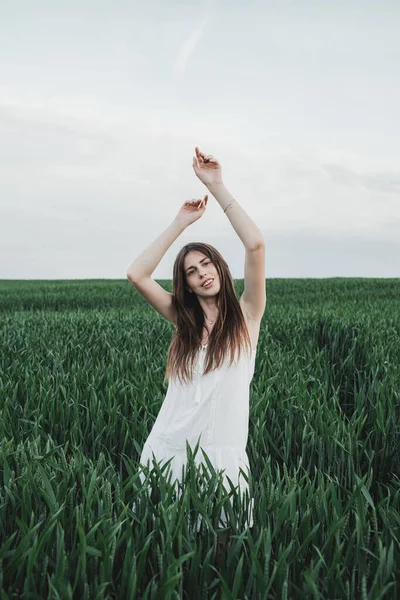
(216, 403)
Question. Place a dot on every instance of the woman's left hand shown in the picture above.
(207, 168)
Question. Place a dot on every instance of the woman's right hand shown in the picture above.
(191, 210)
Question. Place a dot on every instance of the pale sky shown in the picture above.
(102, 104)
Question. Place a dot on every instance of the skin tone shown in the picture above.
(196, 275)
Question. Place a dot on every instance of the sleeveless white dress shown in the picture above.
(213, 408)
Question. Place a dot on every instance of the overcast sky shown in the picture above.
(102, 104)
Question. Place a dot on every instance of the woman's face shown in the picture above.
(198, 269)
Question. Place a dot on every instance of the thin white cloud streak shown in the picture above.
(188, 47)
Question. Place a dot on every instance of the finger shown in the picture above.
(200, 153)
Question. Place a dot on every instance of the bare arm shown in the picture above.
(148, 260)
(244, 226)
(139, 273)
(208, 170)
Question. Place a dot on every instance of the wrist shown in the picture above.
(213, 187)
(180, 225)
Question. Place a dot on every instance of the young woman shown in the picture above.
(211, 358)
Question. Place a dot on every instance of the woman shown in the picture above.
(208, 392)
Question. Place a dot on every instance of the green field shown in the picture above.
(81, 383)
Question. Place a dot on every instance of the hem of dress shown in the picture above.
(227, 458)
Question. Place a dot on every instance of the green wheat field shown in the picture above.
(81, 383)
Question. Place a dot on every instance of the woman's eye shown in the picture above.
(205, 263)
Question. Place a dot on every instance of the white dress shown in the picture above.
(214, 407)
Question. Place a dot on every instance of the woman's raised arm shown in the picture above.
(208, 170)
(148, 260)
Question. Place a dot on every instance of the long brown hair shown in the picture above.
(229, 332)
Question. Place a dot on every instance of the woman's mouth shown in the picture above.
(206, 286)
